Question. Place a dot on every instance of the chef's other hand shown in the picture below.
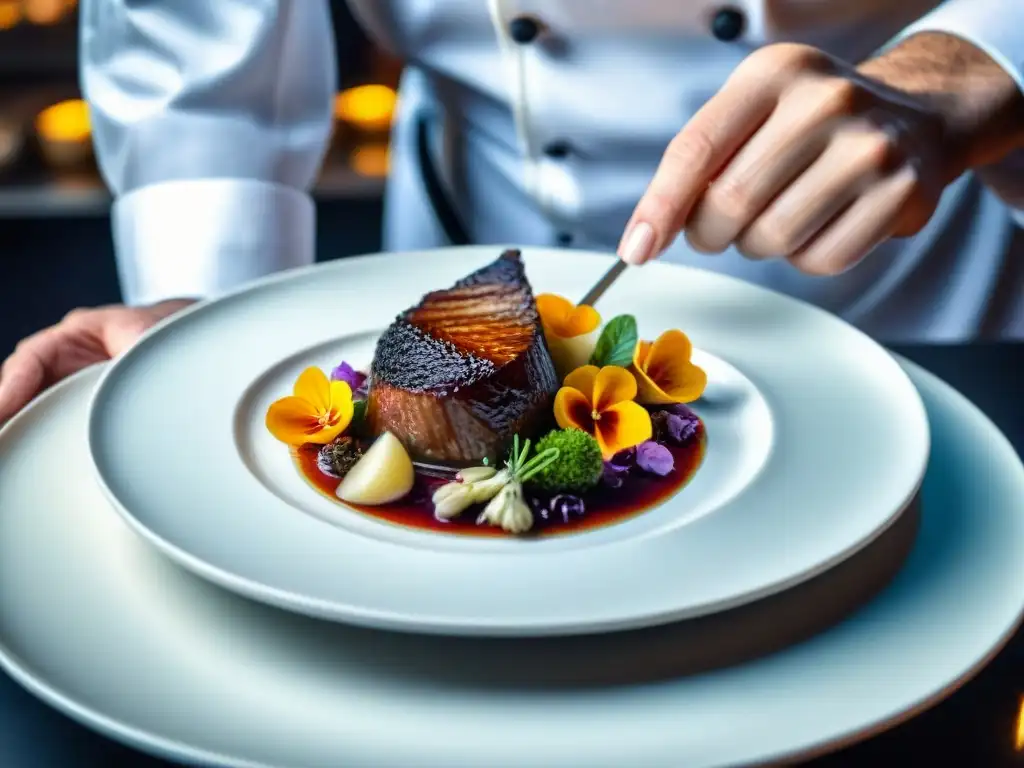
(83, 337)
(803, 157)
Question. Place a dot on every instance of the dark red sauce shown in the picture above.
(604, 506)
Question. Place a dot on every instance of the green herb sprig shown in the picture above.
(522, 470)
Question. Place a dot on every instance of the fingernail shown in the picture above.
(638, 245)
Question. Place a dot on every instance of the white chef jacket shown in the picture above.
(519, 121)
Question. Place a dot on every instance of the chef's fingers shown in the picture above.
(82, 338)
(871, 219)
(857, 157)
(693, 158)
(790, 140)
(815, 107)
(23, 374)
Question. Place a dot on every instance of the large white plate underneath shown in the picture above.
(103, 628)
(816, 442)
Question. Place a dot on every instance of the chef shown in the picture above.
(867, 157)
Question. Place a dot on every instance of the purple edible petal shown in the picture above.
(538, 506)
(624, 460)
(612, 477)
(566, 506)
(352, 377)
(618, 467)
(679, 409)
(675, 424)
(654, 458)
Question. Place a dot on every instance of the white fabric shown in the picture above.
(237, 92)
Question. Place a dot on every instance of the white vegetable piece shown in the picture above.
(452, 499)
(383, 474)
(508, 510)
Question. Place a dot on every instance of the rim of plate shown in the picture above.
(412, 617)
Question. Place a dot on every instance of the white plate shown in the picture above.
(102, 627)
(816, 441)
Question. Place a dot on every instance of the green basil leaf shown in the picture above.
(616, 343)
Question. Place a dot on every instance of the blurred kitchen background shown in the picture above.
(55, 245)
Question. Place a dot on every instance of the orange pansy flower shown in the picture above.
(563, 318)
(571, 331)
(600, 401)
(317, 412)
(664, 373)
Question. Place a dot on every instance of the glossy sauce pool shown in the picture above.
(604, 506)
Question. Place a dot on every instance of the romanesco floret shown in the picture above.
(578, 466)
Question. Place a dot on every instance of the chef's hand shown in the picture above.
(803, 157)
(84, 337)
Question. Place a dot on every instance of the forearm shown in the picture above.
(210, 121)
(980, 103)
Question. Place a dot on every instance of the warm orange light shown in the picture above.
(10, 13)
(369, 107)
(371, 160)
(1018, 736)
(45, 11)
(67, 121)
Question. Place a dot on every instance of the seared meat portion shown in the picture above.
(457, 375)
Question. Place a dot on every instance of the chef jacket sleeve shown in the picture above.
(996, 27)
(210, 121)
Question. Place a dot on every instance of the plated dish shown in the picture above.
(789, 481)
(486, 409)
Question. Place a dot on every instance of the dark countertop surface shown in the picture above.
(975, 728)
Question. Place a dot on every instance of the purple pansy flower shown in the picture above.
(352, 377)
(675, 424)
(655, 458)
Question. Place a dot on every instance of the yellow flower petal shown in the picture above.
(668, 351)
(328, 432)
(313, 387)
(342, 407)
(687, 385)
(641, 353)
(622, 426)
(564, 320)
(572, 410)
(340, 392)
(582, 319)
(664, 372)
(583, 379)
(612, 385)
(553, 309)
(292, 420)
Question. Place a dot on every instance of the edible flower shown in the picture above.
(675, 424)
(654, 458)
(600, 402)
(618, 468)
(566, 507)
(571, 331)
(664, 373)
(355, 379)
(317, 412)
